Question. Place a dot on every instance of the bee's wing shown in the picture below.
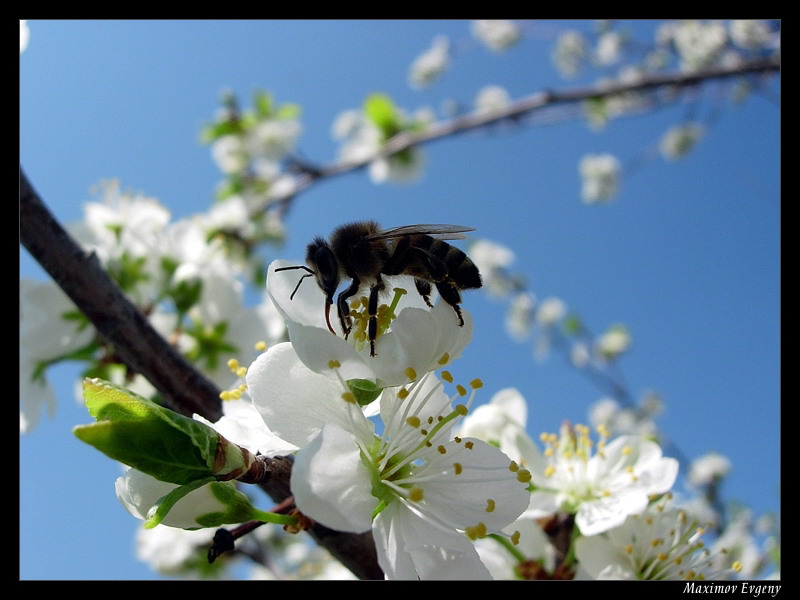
(444, 232)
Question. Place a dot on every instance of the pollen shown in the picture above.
(457, 468)
(241, 371)
(334, 364)
(447, 376)
(468, 445)
(441, 449)
(513, 467)
(476, 384)
(413, 421)
(444, 359)
(524, 476)
(402, 393)
(349, 397)
(476, 532)
(490, 504)
(410, 373)
(549, 471)
(627, 450)
(261, 346)
(233, 364)
(463, 410)
(461, 390)
(515, 537)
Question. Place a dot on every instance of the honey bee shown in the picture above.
(363, 252)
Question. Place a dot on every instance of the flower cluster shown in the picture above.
(377, 450)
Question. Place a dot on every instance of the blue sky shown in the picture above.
(687, 256)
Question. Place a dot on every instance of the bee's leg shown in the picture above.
(344, 308)
(444, 284)
(372, 310)
(424, 289)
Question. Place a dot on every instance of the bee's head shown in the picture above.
(323, 265)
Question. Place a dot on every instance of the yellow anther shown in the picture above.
(457, 468)
(413, 421)
(524, 476)
(441, 449)
(462, 410)
(627, 450)
(233, 364)
(447, 376)
(629, 549)
(349, 397)
(515, 537)
(468, 445)
(444, 359)
(402, 393)
(225, 395)
(415, 494)
(490, 504)
(243, 386)
(737, 566)
(241, 371)
(513, 467)
(261, 346)
(334, 364)
(549, 451)
(476, 384)
(410, 373)
(461, 390)
(549, 471)
(662, 556)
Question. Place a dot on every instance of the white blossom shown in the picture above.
(662, 543)
(430, 65)
(750, 33)
(679, 140)
(422, 492)
(600, 175)
(24, 35)
(498, 34)
(601, 489)
(708, 468)
(418, 340)
(570, 53)
(609, 48)
(698, 43)
(491, 98)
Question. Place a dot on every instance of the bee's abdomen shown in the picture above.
(458, 266)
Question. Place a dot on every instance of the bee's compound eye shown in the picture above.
(327, 269)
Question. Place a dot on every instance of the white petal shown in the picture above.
(601, 515)
(331, 484)
(409, 547)
(294, 401)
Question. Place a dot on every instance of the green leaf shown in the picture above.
(380, 109)
(146, 436)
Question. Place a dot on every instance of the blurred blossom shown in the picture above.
(173, 551)
(48, 332)
(570, 53)
(698, 43)
(600, 175)
(613, 342)
(519, 318)
(609, 48)
(679, 140)
(708, 468)
(750, 34)
(736, 543)
(550, 311)
(664, 543)
(24, 35)
(229, 153)
(430, 65)
(491, 98)
(498, 34)
(580, 355)
(492, 260)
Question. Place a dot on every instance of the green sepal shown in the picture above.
(365, 391)
(163, 505)
(146, 436)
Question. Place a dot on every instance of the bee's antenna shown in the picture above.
(297, 287)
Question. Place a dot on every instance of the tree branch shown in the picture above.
(185, 390)
(541, 101)
(80, 275)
